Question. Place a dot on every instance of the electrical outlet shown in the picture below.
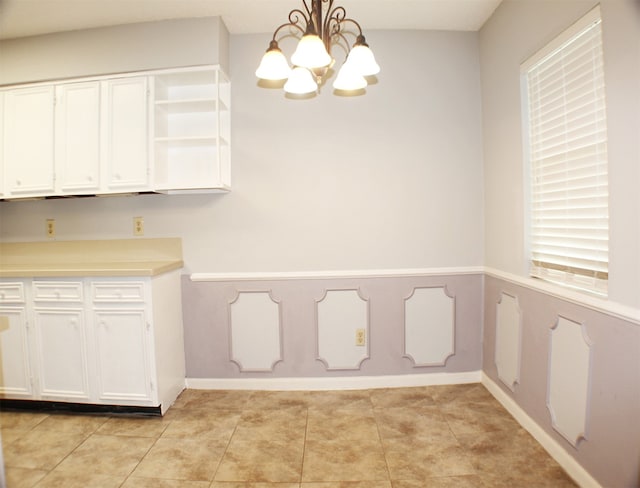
(51, 228)
(138, 226)
(360, 337)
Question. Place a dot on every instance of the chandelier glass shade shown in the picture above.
(320, 27)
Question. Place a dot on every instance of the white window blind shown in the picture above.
(567, 134)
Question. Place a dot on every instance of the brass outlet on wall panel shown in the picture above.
(360, 337)
(138, 226)
(51, 228)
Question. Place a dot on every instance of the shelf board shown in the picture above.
(187, 105)
(189, 141)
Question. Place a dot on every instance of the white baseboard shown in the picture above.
(334, 383)
(555, 450)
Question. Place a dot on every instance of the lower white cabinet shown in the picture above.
(60, 340)
(110, 341)
(61, 354)
(16, 380)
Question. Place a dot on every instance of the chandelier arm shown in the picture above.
(295, 14)
(294, 21)
(308, 8)
(343, 20)
(288, 24)
(342, 37)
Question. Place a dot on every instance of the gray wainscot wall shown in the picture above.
(304, 327)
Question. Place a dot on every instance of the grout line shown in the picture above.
(304, 446)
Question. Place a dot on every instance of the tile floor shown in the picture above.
(439, 436)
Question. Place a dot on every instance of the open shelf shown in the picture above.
(192, 130)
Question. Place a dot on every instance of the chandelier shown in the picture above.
(322, 27)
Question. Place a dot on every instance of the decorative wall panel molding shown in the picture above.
(508, 340)
(569, 379)
(429, 326)
(256, 331)
(340, 315)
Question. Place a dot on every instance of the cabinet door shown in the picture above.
(61, 352)
(28, 141)
(78, 137)
(2, 190)
(125, 117)
(123, 361)
(15, 370)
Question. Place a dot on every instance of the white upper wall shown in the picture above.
(391, 179)
(115, 49)
(517, 30)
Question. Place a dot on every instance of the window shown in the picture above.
(566, 142)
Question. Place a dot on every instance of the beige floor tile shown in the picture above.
(41, 450)
(426, 437)
(342, 425)
(134, 426)
(11, 435)
(471, 481)
(402, 397)
(242, 484)
(424, 423)
(342, 400)
(57, 479)
(262, 460)
(218, 425)
(347, 484)
(212, 400)
(23, 478)
(106, 455)
(20, 420)
(275, 400)
(478, 417)
(287, 424)
(445, 394)
(133, 482)
(71, 424)
(504, 458)
(428, 460)
(181, 459)
(340, 460)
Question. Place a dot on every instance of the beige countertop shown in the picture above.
(118, 257)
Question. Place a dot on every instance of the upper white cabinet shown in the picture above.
(165, 131)
(77, 148)
(192, 130)
(125, 121)
(28, 141)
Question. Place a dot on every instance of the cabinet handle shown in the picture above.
(18, 182)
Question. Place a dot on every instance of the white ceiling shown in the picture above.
(20, 18)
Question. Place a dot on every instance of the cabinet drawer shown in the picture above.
(57, 291)
(11, 292)
(118, 292)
